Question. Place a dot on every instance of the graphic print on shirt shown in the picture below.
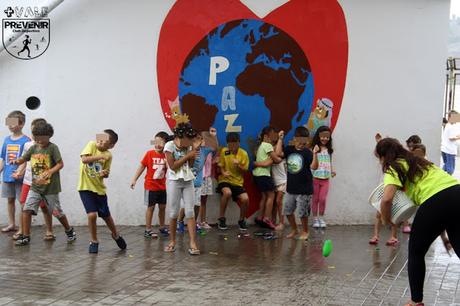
(294, 163)
(159, 167)
(12, 153)
(93, 169)
(40, 163)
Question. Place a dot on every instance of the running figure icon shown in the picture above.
(26, 43)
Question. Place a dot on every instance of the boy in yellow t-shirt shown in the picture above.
(233, 162)
(96, 160)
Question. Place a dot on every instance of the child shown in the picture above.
(95, 163)
(299, 181)
(25, 171)
(46, 162)
(321, 176)
(279, 174)
(180, 156)
(154, 184)
(413, 140)
(265, 156)
(233, 162)
(206, 187)
(13, 147)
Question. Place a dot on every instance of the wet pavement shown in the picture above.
(230, 271)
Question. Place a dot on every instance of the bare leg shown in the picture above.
(26, 219)
(263, 200)
(161, 214)
(244, 203)
(172, 231)
(270, 196)
(294, 232)
(149, 217)
(63, 220)
(92, 217)
(192, 233)
(304, 233)
(48, 220)
(204, 200)
(196, 210)
(11, 212)
(111, 225)
(226, 195)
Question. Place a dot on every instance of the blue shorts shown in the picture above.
(94, 202)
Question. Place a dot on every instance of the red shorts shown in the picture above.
(25, 192)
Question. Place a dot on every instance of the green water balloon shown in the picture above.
(327, 248)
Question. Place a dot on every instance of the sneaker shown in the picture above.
(259, 221)
(268, 223)
(316, 223)
(180, 227)
(164, 231)
(71, 235)
(150, 234)
(120, 242)
(243, 225)
(205, 225)
(322, 224)
(93, 247)
(23, 240)
(221, 224)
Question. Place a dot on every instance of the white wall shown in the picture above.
(99, 72)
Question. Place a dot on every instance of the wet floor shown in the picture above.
(230, 271)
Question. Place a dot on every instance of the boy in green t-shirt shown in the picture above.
(46, 162)
(96, 160)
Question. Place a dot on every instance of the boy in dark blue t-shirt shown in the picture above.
(299, 187)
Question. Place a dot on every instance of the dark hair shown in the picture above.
(444, 120)
(233, 137)
(391, 152)
(38, 121)
(44, 129)
(419, 147)
(163, 135)
(113, 137)
(301, 131)
(184, 130)
(317, 140)
(19, 115)
(266, 131)
(415, 139)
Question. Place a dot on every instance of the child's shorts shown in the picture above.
(264, 183)
(300, 201)
(52, 201)
(154, 197)
(235, 190)
(94, 202)
(12, 190)
(208, 186)
(198, 196)
(24, 192)
(281, 188)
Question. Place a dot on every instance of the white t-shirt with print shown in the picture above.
(450, 131)
(185, 171)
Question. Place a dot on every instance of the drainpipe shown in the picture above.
(50, 4)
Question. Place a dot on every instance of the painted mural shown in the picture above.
(238, 73)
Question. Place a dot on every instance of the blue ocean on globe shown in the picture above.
(269, 71)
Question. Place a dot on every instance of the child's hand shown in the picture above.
(104, 173)
(225, 174)
(378, 137)
(16, 175)
(333, 174)
(236, 162)
(133, 183)
(316, 149)
(46, 175)
(212, 131)
(281, 135)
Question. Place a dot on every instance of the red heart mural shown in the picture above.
(317, 26)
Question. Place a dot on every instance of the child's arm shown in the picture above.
(48, 173)
(19, 171)
(139, 171)
(1, 165)
(279, 144)
(87, 159)
(176, 164)
(19, 161)
(314, 163)
(264, 163)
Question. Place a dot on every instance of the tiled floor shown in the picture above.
(230, 271)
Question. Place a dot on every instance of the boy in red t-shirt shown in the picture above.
(154, 184)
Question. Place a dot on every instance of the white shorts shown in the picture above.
(207, 188)
(198, 196)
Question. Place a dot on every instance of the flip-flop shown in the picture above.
(49, 237)
(392, 242)
(170, 248)
(16, 236)
(193, 251)
(374, 241)
(9, 228)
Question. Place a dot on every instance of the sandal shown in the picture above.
(193, 251)
(374, 240)
(170, 248)
(49, 237)
(9, 228)
(392, 242)
(16, 236)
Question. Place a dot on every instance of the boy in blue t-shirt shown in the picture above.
(12, 148)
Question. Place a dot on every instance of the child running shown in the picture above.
(154, 184)
(180, 155)
(321, 176)
(300, 161)
(95, 163)
(46, 162)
